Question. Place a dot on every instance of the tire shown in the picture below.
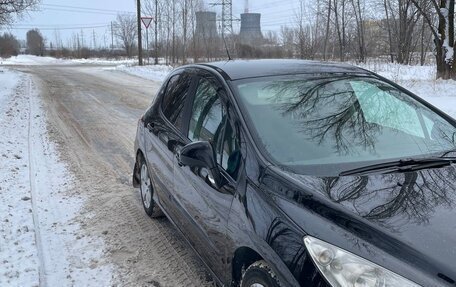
(147, 190)
(259, 274)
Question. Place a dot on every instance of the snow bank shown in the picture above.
(104, 61)
(18, 252)
(154, 73)
(40, 241)
(30, 60)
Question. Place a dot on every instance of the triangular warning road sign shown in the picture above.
(146, 21)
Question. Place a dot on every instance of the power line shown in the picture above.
(81, 11)
(86, 8)
(61, 25)
(59, 28)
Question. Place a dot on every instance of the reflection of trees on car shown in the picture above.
(413, 198)
(307, 102)
(351, 115)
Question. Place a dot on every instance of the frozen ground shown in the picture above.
(150, 72)
(41, 243)
(154, 73)
(30, 60)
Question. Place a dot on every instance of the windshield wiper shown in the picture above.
(402, 165)
(444, 155)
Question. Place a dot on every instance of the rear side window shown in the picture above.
(175, 96)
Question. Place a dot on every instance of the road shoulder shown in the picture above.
(42, 243)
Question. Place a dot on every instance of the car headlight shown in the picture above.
(344, 269)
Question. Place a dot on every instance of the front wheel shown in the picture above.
(147, 192)
(259, 274)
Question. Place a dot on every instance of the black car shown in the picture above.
(302, 173)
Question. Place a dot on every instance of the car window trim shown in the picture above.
(186, 113)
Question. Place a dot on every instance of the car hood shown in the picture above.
(415, 209)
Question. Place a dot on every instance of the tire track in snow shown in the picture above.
(33, 191)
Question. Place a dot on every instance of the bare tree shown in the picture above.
(9, 45)
(13, 8)
(126, 32)
(328, 21)
(35, 42)
(358, 10)
(340, 17)
(444, 37)
(287, 40)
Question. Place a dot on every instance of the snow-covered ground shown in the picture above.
(154, 73)
(150, 72)
(30, 60)
(40, 241)
(104, 61)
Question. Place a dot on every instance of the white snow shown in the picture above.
(449, 50)
(40, 240)
(152, 72)
(18, 253)
(104, 61)
(30, 60)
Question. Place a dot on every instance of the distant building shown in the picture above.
(206, 25)
(250, 28)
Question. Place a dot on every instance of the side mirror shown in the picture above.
(200, 154)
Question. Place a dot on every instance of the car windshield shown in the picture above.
(334, 119)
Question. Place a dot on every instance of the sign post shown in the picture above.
(146, 21)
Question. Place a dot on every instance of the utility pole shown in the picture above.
(94, 40)
(227, 20)
(227, 16)
(112, 37)
(138, 7)
(156, 32)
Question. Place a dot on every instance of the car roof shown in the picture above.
(241, 69)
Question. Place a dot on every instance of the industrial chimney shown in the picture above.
(206, 25)
(250, 28)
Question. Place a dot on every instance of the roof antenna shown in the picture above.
(227, 51)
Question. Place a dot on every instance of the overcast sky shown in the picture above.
(93, 17)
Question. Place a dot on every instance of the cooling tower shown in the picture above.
(206, 25)
(250, 27)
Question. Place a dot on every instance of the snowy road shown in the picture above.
(92, 115)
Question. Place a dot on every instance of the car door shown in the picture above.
(164, 126)
(206, 206)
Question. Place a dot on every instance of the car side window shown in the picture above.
(207, 114)
(175, 97)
